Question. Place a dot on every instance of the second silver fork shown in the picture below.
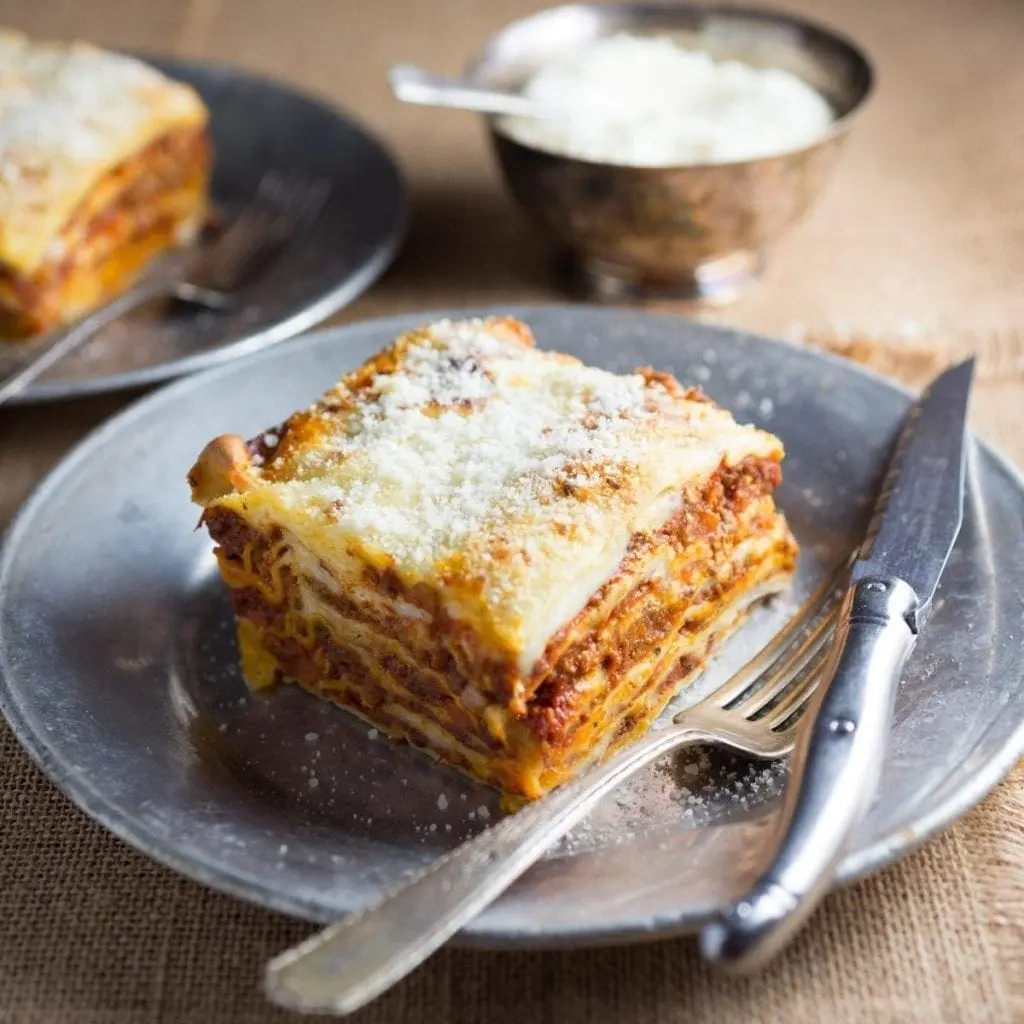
(284, 204)
(755, 712)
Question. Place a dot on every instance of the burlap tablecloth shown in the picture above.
(918, 242)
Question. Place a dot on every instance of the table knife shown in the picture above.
(836, 765)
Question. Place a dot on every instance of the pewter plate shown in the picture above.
(257, 125)
(119, 671)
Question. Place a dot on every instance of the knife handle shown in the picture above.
(834, 774)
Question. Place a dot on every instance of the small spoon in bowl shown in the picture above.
(411, 84)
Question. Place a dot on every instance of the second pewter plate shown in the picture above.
(258, 126)
(120, 674)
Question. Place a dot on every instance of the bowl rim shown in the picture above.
(839, 127)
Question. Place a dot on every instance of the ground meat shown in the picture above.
(230, 531)
(250, 604)
(752, 478)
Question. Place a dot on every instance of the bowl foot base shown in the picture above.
(716, 282)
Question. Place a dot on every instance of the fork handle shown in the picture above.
(834, 774)
(40, 358)
(349, 963)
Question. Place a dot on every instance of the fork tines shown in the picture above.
(776, 684)
(284, 206)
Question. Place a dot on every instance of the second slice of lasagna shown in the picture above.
(503, 556)
(104, 164)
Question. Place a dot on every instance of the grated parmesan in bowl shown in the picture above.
(646, 101)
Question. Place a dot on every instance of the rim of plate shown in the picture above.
(892, 846)
(302, 320)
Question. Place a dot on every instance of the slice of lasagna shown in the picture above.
(503, 556)
(103, 164)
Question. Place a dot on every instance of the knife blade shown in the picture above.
(920, 506)
(835, 768)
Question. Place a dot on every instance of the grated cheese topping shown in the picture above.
(510, 478)
(474, 431)
(648, 101)
(68, 114)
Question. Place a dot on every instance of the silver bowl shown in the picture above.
(690, 232)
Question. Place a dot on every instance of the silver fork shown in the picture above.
(283, 206)
(755, 712)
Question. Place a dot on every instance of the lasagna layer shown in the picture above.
(153, 201)
(509, 559)
(382, 651)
